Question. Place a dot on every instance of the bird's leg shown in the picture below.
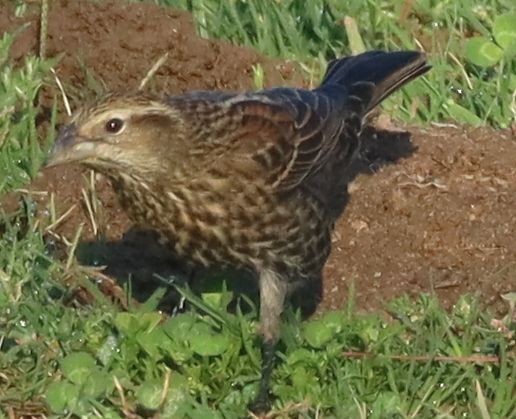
(273, 289)
(261, 403)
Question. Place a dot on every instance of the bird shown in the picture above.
(248, 180)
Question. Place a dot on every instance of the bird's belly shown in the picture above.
(226, 233)
(286, 238)
(252, 232)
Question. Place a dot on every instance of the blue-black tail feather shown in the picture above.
(374, 75)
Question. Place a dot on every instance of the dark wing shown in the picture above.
(289, 133)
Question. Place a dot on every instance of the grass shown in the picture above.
(100, 360)
(21, 152)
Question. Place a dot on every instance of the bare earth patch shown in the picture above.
(440, 221)
(438, 216)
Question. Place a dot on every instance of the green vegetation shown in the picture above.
(101, 361)
(21, 153)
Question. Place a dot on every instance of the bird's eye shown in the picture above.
(114, 126)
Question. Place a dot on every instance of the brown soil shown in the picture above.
(430, 211)
(440, 221)
(113, 44)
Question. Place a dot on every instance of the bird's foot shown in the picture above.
(260, 405)
(262, 402)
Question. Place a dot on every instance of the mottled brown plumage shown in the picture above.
(252, 180)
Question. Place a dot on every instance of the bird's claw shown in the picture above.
(260, 405)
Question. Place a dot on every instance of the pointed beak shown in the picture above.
(69, 148)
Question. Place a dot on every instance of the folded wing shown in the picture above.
(292, 133)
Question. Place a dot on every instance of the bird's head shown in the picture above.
(119, 134)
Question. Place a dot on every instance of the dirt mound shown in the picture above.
(116, 43)
(436, 215)
(440, 221)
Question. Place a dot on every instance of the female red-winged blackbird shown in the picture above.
(248, 180)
